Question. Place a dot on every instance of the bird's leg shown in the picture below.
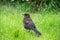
(28, 30)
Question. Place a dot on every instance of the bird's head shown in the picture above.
(26, 15)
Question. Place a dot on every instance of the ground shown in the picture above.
(11, 25)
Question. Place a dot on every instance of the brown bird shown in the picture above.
(29, 25)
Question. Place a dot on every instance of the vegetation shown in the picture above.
(46, 19)
(11, 26)
(34, 5)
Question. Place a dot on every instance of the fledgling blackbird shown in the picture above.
(28, 24)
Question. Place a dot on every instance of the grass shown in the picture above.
(11, 25)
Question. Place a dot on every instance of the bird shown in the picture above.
(29, 24)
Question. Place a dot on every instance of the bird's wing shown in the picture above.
(30, 23)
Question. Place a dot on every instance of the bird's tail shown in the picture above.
(37, 32)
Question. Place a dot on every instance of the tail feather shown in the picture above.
(37, 32)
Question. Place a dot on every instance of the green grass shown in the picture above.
(11, 25)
